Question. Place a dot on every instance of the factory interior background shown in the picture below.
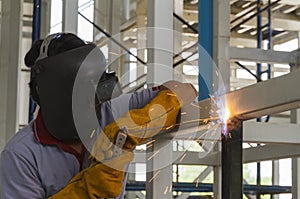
(250, 42)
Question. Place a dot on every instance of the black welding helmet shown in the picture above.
(67, 85)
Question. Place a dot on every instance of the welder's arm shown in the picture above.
(117, 107)
(141, 124)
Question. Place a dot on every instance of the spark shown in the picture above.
(92, 134)
(148, 146)
(150, 142)
(183, 156)
(171, 94)
(152, 156)
(154, 176)
(197, 182)
(170, 187)
(169, 127)
(113, 53)
(166, 190)
(196, 106)
(226, 115)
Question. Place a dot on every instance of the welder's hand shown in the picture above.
(185, 92)
(99, 180)
(141, 125)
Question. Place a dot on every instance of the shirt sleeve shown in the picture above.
(115, 108)
(19, 179)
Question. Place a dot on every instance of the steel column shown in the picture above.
(232, 163)
(141, 10)
(70, 16)
(159, 70)
(10, 62)
(221, 40)
(114, 50)
(295, 118)
(275, 176)
(205, 48)
(46, 18)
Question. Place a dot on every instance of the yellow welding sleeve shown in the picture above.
(142, 124)
(101, 180)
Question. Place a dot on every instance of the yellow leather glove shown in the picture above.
(141, 124)
(97, 181)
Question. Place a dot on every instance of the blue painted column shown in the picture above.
(205, 48)
(36, 31)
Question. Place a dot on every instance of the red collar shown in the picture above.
(43, 136)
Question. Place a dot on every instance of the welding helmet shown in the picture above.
(68, 84)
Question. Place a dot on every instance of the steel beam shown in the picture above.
(258, 132)
(270, 152)
(253, 154)
(265, 98)
(260, 55)
(190, 158)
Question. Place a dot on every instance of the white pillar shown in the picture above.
(275, 175)
(46, 18)
(295, 118)
(10, 62)
(70, 16)
(159, 170)
(217, 186)
(101, 17)
(159, 41)
(141, 36)
(221, 39)
(159, 70)
(131, 178)
(178, 9)
(114, 51)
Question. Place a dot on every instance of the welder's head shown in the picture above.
(55, 44)
(61, 64)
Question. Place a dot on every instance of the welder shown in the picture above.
(82, 109)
